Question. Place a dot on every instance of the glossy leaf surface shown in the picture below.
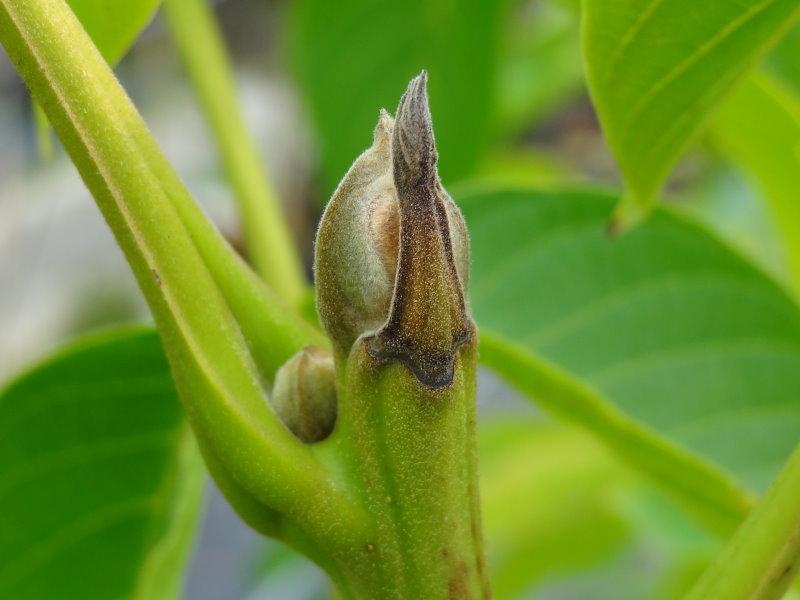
(657, 68)
(668, 324)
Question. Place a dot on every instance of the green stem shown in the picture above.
(701, 487)
(179, 261)
(411, 453)
(762, 559)
(269, 241)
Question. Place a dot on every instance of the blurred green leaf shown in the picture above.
(656, 68)
(540, 68)
(524, 167)
(352, 58)
(784, 60)
(667, 323)
(565, 520)
(549, 504)
(113, 25)
(758, 128)
(730, 204)
(100, 478)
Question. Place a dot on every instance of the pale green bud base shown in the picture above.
(409, 453)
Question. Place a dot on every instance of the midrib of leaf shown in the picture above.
(728, 30)
(762, 559)
(702, 487)
(629, 37)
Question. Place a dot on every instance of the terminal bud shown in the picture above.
(392, 252)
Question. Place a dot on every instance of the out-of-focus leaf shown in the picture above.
(784, 60)
(548, 501)
(667, 323)
(100, 478)
(758, 128)
(656, 68)
(559, 508)
(730, 204)
(524, 167)
(351, 58)
(113, 25)
(540, 64)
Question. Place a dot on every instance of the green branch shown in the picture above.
(204, 300)
(762, 559)
(269, 241)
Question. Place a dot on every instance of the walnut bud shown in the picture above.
(304, 394)
(392, 251)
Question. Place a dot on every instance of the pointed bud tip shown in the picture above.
(382, 134)
(413, 144)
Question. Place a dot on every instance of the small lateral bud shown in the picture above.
(304, 394)
(392, 252)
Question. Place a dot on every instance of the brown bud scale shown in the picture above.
(392, 251)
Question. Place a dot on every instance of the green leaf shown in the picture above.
(784, 60)
(550, 504)
(663, 342)
(349, 71)
(540, 66)
(657, 68)
(113, 25)
(767, 148)
(101, 477)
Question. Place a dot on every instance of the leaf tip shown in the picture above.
(627, 214)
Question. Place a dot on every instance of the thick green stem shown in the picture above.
(411, 452)
(762, 559)
(269, 241)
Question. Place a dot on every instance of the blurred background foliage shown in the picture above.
(564, 518)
